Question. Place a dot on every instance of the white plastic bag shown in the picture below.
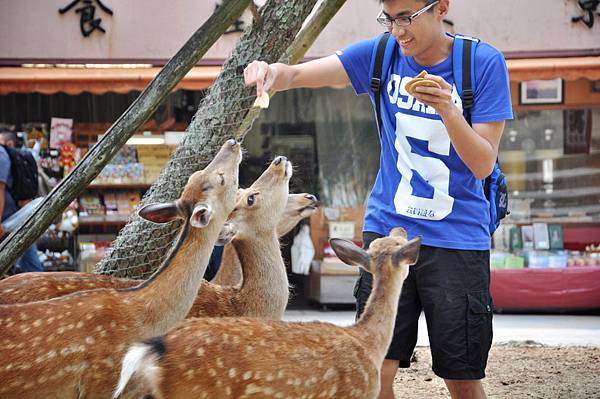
(19, 217)
(303, 251)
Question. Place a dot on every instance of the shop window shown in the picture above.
(332, 136)
(552, 160)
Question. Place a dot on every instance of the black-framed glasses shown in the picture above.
(402, 20)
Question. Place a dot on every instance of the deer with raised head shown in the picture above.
(71, 347)
(264, 291)
(250, 358)
(39, 286)
(298, 207)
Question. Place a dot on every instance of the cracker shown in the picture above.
(262, 101)
(422, 82)
(411, 83)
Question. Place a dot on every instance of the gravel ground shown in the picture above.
(515, 370)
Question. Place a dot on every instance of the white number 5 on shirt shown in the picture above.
(433, 170)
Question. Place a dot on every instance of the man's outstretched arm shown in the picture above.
(322, 72)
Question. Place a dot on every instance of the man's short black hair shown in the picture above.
(427, 2)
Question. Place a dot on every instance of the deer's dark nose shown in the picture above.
(311, 197)
(280, 159)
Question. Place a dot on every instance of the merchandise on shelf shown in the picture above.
(537, 246)
(90, 205)
(110, 203)
(57, 261)
(69, 156)
(126, 155)
(91, 252)
(154, 158)
(123, 169)
(132, 173)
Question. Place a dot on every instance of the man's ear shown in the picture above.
(159, 212)
(350, 253)
(442, 8)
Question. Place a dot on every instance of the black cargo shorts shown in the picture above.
(452, 288)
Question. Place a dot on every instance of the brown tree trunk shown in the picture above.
(225, 112)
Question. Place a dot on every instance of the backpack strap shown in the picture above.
(463, 60)
(463, 68)
(377, 75)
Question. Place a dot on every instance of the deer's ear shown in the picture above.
(226, 234)
(159, 212)
(201, 215)
(408, 254)
(238, 194)
(350, 253)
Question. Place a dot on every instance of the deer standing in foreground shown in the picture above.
(298, 207)
(245, 358)
(71, 347)
(40, 286)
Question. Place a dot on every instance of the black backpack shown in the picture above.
(24, 173)
(495, 185)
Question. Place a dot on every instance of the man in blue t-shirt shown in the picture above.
(29, 261)
(429, 182)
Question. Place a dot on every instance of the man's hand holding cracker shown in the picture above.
(434, 91)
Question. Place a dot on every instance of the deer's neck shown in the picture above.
(168, 295)
(264, 290)
(230, 271)
(285, 226)
(376, 324)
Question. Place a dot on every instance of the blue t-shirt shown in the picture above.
(6, 177)
(422, 184)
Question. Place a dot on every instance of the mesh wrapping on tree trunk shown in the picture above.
(141, 246)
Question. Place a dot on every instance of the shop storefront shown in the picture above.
(550, 152)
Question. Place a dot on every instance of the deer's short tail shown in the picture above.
(140, 372)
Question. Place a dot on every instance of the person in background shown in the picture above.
(30, 261)
(214, 263)
(429, 182)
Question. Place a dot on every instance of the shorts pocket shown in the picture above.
(479, 328)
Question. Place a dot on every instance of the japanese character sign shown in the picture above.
(87, 10)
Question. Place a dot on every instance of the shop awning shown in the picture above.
(123, 80)
(568, 68)
(95, 80)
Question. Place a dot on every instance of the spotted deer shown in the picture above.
(39, 286)
(264, 291)
(250, 358)
(298, 207)
(71, 347)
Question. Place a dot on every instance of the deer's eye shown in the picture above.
(222, 179)
(251, 200)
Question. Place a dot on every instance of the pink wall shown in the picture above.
(153, 30)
